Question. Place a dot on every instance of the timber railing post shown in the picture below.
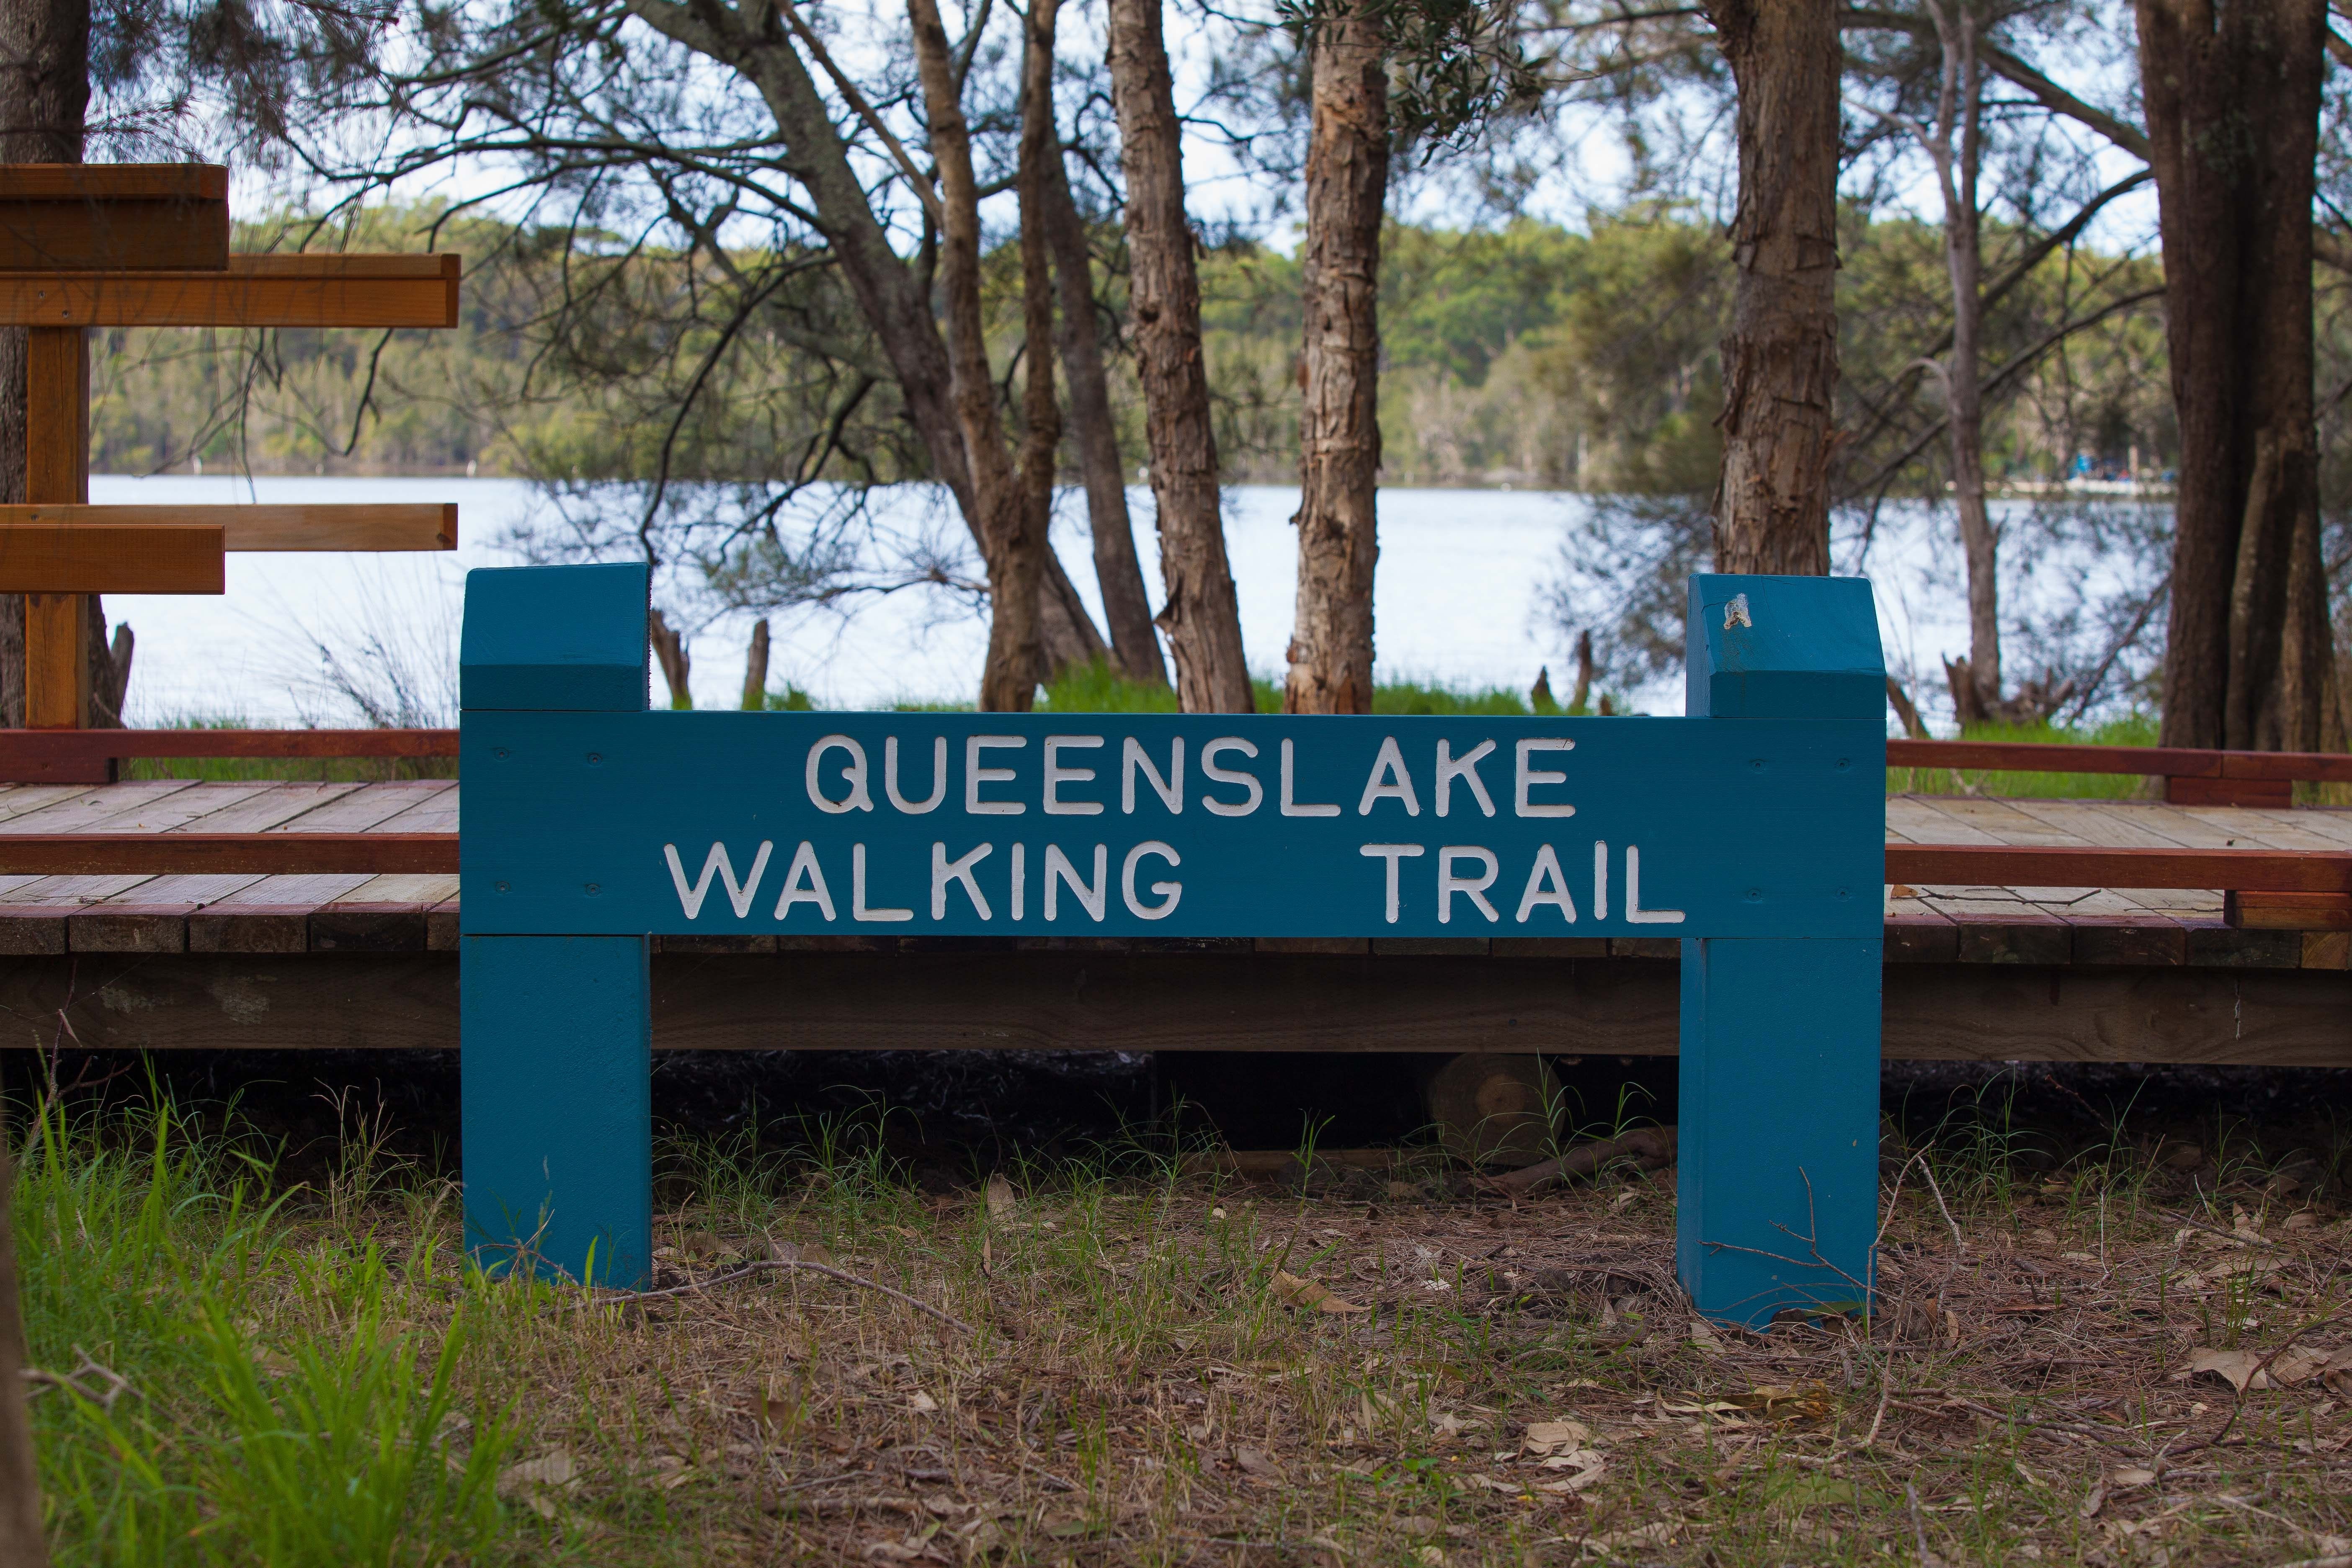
(1778, 1170)
(555, 1030)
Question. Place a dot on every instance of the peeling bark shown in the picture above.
(1338, 427)
(1780, 358)
(1127, 606)
(1009, 682)
(2233, 95)
(1199, 611)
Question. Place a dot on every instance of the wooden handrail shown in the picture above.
(18, 747)
(2016, 866)
(287, 852)
(283, 853)
(2154, 762)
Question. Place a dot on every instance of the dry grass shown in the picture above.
(1140, 1383)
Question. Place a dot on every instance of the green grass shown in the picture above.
(228, 1383)
(316, 1376)
(1099, 688)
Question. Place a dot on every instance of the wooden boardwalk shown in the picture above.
(1973, 972)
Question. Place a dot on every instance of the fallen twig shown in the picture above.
(768, 1265)
(1652, 1147)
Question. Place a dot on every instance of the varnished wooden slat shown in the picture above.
(2289, 911)
(255, 291)
(57, 468)
(63, 559)
(113, 182)
(2162, 762)
(391, 526)
(41, 755)
(2270, 870)
(100, 853)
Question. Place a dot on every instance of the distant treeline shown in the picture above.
(1529, 356)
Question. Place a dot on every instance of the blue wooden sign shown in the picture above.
(1753, 830)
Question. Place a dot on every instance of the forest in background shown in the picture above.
(1528, 354)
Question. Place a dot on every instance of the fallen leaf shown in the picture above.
(1550, 1436)
(1254, 1463)
(2236, 1368)
(1417, 1526)
(2095, 1502)
(1817, 1491)
(555, 1467)
(2127, 1475)
(1800, 1402)
(2301, 1365)
(1000, 1201)
(922, 1404)
(1290, 1290)
(2022, 1309)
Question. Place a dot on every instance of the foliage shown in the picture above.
(219, 1388)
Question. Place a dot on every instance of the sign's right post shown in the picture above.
(1778, 1181)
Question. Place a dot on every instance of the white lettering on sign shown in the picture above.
(1472, 887)
(1170, 789)
(1168, 892)
(1546, 885)
(1601, 878)
(974, 775)
(1531, 776)
(1291, 807)
(804, 884)
(857, 799)
(858, 909)
(1634, 912)
(1216, 774)
(1391, 853)
(944, 870)
(1389, 781)
(1020, 881)
(1056, 775)
(939, 777)
(738, 894)
(1466, 768)
(1094, 897)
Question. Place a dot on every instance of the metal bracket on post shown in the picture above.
(555, 1030)
(1778, 1170)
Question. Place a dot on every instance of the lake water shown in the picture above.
(1459, 600)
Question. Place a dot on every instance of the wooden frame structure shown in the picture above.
(140, 245)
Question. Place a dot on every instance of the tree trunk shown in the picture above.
(1040, 435)
(44, 99)
(1200, 614)
(894, 300)
(1780, 358)
(1964, 398)
(2232, 95)
(1009, 682)
(1338, 425)
(1126, 606)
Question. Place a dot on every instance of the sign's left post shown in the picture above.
(555, 1029)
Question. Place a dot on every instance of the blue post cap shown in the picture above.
(1783, 648)
(555, 638)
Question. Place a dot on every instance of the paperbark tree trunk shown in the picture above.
(1780, 358)
(1009, 682)
(1338, 426)
(1041, 437)
(1198, 612)
(1956, 148)
(894, 299)
(1127, 607)
(44, 101)
(2232, 95)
